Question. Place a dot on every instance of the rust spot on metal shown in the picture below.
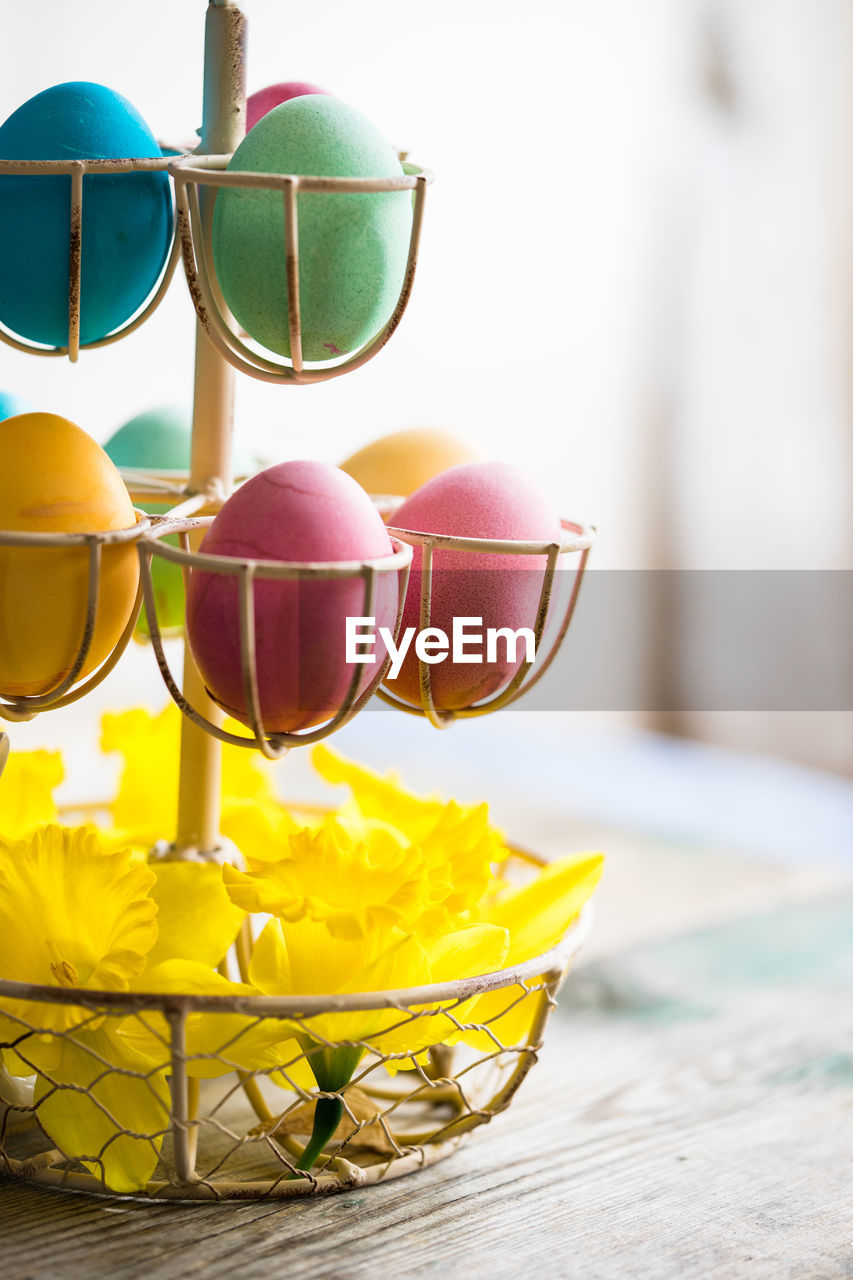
(189, 268)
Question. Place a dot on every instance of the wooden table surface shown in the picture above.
(691, 1115)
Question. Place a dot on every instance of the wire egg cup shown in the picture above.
(575, 538)
(195, 233)
(228, 1130)
(247, 572)
(75, 171)
(14, 707)
(191, 240)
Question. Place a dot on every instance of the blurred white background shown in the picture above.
(636, 277)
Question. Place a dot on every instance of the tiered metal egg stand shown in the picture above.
(240, 1136)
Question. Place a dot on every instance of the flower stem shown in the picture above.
(327, 1117)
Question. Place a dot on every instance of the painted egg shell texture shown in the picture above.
(263, 100)
(296, 511)
(54, 478)
(475, 500)
(127, 218)
(352, 246)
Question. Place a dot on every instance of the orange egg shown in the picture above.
(54, 478)
(403, 461)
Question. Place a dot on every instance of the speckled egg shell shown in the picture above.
(263, 100)
(127, 218)
(475, 500)
(296, 511)
(55, 479)
(352, 247)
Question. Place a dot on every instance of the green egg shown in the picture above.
(159, 442)
(352, 247)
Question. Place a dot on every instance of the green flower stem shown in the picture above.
(327, 1117)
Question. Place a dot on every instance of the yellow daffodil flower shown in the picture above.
(349, 917)
(304, 958)
(145, 807)
(535, 916)
(26, 791)
(75, 913)
(384, 801)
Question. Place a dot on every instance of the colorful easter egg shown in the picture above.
(475, 500)
(353, 246)
(401, 462)
(306, 512)
(259, 103)
(54, 478)
(127, 218)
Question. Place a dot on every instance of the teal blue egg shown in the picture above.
(127, 218)
(160, 440)
(11, 405)
(352, 247)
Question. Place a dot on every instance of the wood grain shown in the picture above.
(690, 1117)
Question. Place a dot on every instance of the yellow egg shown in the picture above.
(55, 479)
(401, 462)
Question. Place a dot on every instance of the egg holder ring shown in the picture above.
(195, 235)
(17, 708)
(76, 170)
(448, 1093)
(247, 571)
(575, 538)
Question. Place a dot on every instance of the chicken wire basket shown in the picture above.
(219, 1126)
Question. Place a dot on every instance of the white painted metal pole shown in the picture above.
(223, 126)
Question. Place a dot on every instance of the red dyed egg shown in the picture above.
(306, 512)
(258, 104)
(475, 500)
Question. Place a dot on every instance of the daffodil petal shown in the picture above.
(72, 914)
(196, 918)
(538, 914)
(97, 1112)
(269, 968)
(26, 792)
(215, 1042)
(146, 802)
(467, 952)
(260, 829)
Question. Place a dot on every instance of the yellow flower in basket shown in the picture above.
(26, 794)
(76, 913)
(358, 907)
(145, 806)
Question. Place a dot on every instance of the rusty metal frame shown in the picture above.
(273, 745)
(26, 707)
(75, 170)
(576, 538)
(194, 231)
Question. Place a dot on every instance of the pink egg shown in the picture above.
(475, 500)
(296, 511)
(265, 99)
